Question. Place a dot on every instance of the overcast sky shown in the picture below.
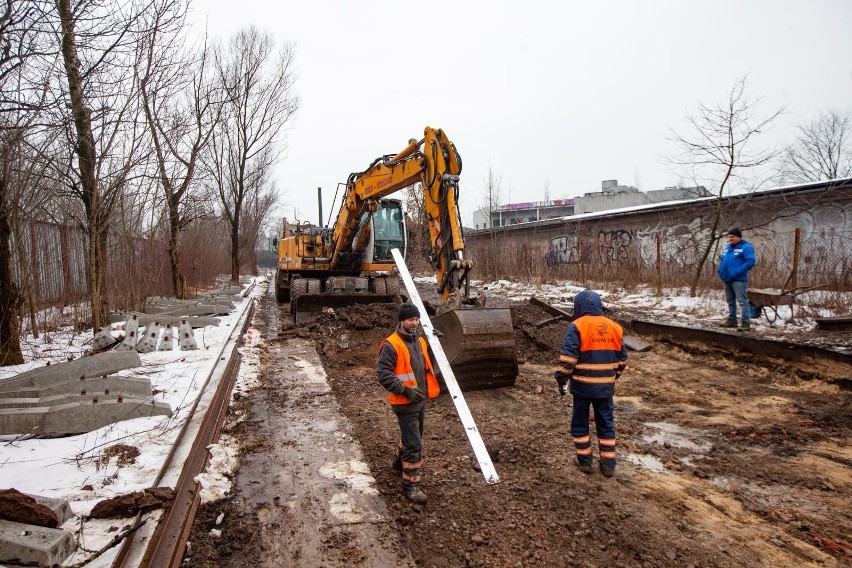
(547, 93)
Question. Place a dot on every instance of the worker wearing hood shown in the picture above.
(591, 359)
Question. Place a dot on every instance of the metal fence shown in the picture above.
(49, 264)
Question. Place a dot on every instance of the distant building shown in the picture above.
(611, 196)
(614, 196)
(514, 213)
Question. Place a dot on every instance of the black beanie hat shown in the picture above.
(408, 310)
(736, 232)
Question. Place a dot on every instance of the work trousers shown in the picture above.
(604, 426)
(411, 443)
(737, 293)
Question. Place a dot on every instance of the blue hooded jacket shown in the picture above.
(736, 261)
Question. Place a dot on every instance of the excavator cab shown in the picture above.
(388, 230)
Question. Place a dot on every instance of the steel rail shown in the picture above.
(167, 544)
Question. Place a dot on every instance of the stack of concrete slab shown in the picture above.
(76, 396)
(142, 330)
(32, 545)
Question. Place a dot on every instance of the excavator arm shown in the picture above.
(436, 164)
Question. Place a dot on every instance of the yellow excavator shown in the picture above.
(351, 262)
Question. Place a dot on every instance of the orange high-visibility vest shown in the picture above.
(405, 373)
(600, 345)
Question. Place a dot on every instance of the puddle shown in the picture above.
(675, 436)
(647, 462)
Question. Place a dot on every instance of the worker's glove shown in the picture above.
(563, 389)
(413, 395)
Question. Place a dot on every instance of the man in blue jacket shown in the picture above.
(737, 260)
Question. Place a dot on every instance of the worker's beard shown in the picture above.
(407, 328)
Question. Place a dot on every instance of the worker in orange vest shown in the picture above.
(404, 369)
(592, 358)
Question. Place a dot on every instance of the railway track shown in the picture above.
(159, 541)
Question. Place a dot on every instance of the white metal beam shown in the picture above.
(470, 429)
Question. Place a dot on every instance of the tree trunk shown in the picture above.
(10, 343)
(235, 252)
(85, 148)
(253, 262)
(178, 279)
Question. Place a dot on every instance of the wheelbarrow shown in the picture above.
(766, 301)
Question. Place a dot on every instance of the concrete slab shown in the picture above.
(123, 316)
(167, 343)
(148, 342)
(197, 310)
(138, 386)
(60, 399)
(226, 301)
(76, 418)
(34, 546)
(165, 319)
(92, 366)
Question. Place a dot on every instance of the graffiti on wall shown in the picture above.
(825, 244)
(613, 246)
(565, 249)
(680, 245)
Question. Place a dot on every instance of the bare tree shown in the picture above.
(181, 108)
(22, 98)
(99, 59)
(493, 198)
(260, 101)
(256, 213)
(719, 146)
(821, 151)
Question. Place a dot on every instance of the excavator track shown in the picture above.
(480, 345)
(307, 297)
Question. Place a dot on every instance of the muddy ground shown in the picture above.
(726, 458)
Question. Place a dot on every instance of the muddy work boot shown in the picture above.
(585, 467)
(413, 494)
(607, 471)
(744, 326)
(730, 322)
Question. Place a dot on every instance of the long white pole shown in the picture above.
(470, 429)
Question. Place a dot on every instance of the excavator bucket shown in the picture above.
(480, 346)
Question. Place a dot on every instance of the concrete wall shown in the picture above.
(627, 243)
